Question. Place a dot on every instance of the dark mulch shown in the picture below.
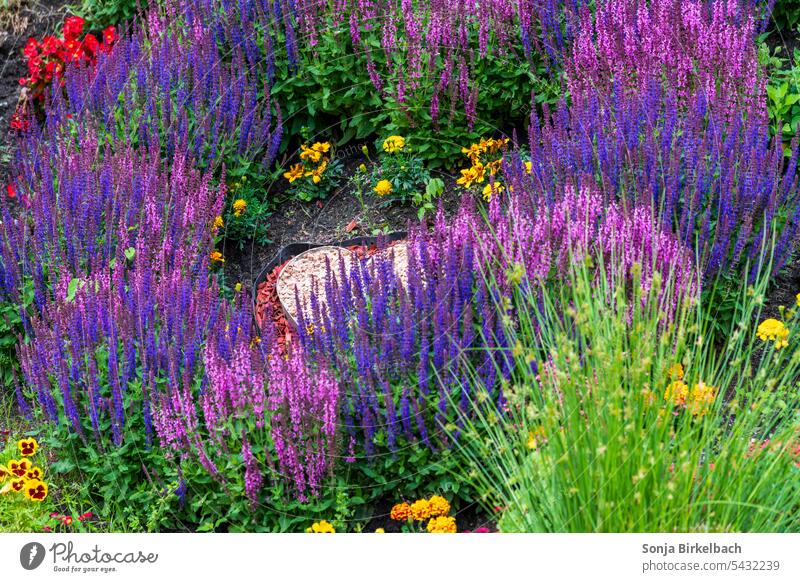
(788, 40)
(19, 21)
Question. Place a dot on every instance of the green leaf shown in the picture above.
(73, 287)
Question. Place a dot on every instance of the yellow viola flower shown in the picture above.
(295, 173)
(36, 490)
(19, 467)
(4, 473)
(394, 143)
(383, 188)
(774, 330)
(420, 509)
(321, 527)
(310, 154)
(442, 524)
(34, 474)
(216, 257)
(239, 207)
(439, 506)
(18, 484)
(797, 300)
(28, 447)
(380, 530)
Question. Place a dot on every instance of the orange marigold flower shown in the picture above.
(701, 398)
(442, 524)
(239, 207)
(295, 173)
(400, 512)
(421, 509)
(383, 188)
(439, 505)
(309, 154)
(675, 372)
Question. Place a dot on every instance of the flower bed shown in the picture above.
(595, 295)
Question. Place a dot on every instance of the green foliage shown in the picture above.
(603, 434)
(316, 174)
(783, 93)
(125, 484)
(250, 225)
(10, 329)
(404, 169)
(425, 201)
(102, 13)
(786, 14)
(333, 93)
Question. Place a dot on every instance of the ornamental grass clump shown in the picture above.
(617, 423)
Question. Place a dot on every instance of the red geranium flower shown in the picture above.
(51, 46)
(12, 192)
(109, 35)
(31, 48)
(91, 44)
(73, 27)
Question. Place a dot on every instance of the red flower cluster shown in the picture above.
(47, 60)
(66, 520)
